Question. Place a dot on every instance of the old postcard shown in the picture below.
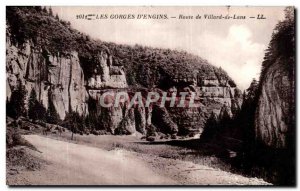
(150, 95)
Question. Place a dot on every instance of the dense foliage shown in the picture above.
(282, 43)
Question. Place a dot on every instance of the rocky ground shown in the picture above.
(117, 160)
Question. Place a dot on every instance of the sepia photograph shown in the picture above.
(150, 96)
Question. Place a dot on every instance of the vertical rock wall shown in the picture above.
(42, 72)
(274, 116)
(61, 77)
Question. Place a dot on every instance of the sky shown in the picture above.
(238, 46)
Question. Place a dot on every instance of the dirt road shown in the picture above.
(71, 164)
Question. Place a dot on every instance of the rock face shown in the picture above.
(274, 115)
(61, 77)
(42, 72)
(212, 94)
(121, 119)
(275, 121)
(107, 75)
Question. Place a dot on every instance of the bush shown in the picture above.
(14, 138)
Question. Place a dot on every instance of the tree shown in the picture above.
(57, 17)
(211, 128)
(74, 122)
(70, 122)
(224, 115)
(32, 114)
(16, 106)
(88, 122)
(36, 110)
(41, 111)
(52, 116)
(252, 90)
(50, 11)
(246, 118)
(45, 9)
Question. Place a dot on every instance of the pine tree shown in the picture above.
(36, 110)
(50, 11)
(41, 111)
(88, 122)
(16, 106)
(252, 90)
(52, 116)
(211, 128)
(57, 17)
(70, 122)
(45, 9)
(245, 119)
(32, 114)
(224, 115)
(75, 123)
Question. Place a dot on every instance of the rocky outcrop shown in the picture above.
(162, 120)
(43, 72)
(48, 64)
(105, 74)
(61, 77)
(274, 115)
(275, 119)
(211, 93)
(121, 119)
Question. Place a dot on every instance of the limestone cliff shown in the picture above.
(275, 114)
(40, 71)
(63, 76)
(51, 58)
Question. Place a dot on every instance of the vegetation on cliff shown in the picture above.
(282, 43)
(149, 67)
(145, 64)
(281, 54)
(275, 120)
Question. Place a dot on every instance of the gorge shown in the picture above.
(60, 82)
(73, 72)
